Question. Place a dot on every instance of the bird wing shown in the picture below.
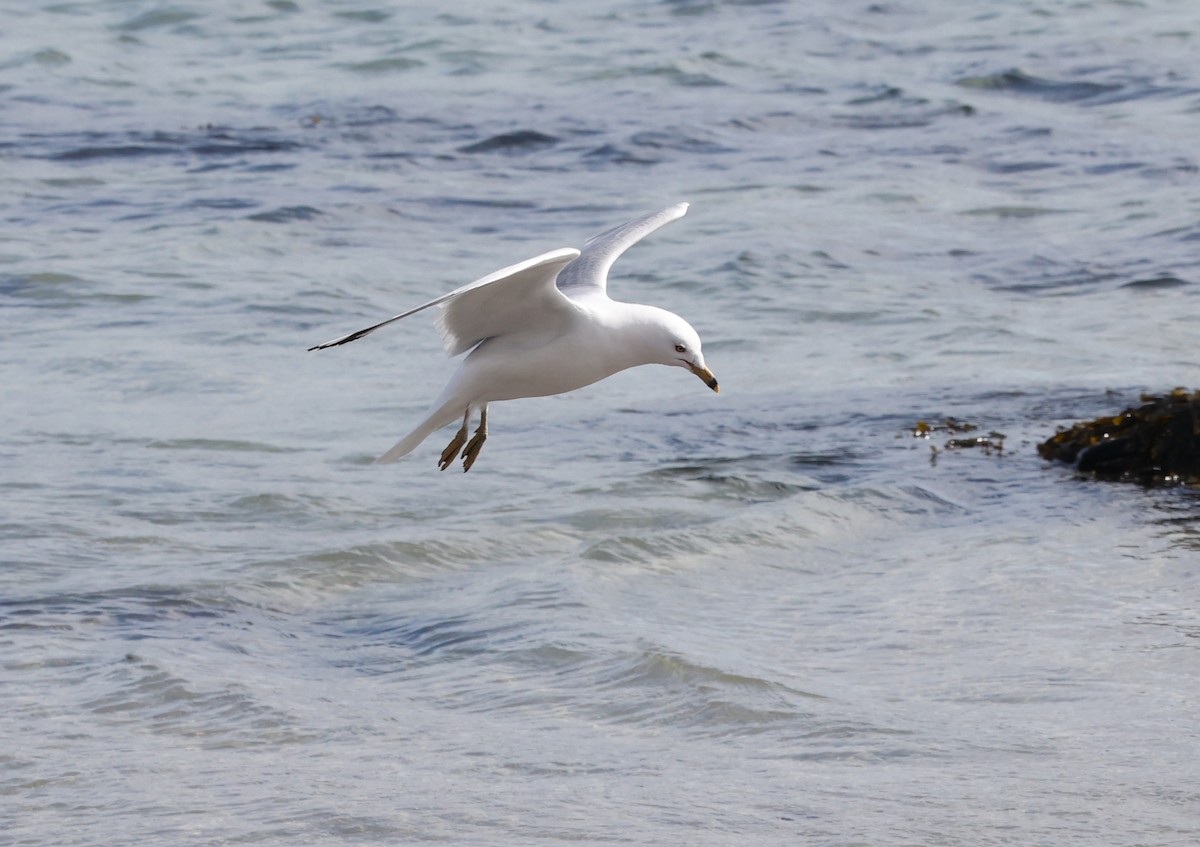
(518, 297)
(589, 273)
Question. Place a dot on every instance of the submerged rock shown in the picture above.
(1157, 443)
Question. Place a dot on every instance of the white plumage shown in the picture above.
(545, 326)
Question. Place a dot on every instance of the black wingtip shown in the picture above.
(337, 343)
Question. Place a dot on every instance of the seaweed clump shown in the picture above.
(1157, 443)
(988, 444)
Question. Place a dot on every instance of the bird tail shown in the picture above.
(403, 447)
(437, 419)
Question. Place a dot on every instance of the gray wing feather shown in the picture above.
(524, 298)
(504, 301)
(589, 273)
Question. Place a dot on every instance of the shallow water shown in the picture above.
(649, 614)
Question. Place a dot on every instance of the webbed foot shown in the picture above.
(456, 443)
(473, 447)
(451, 451)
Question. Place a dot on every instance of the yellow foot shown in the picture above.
(451, 451)
(472, 451)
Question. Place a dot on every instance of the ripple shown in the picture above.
(518, 141)
(460, 636)
(1014, 212)
(654, 687)
(889, 107)
(1056, 91)
(1157, 283)
(61, 291)
(678, 140)
(671, 73)
(286, 214)
(713, 484)
(1042, 275)
(206, 142)
(222, 445)
(138, 607)
(51, 57)
(143, 693)
(375, 67)
(158, 18)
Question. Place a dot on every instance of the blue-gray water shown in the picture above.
(649, 615)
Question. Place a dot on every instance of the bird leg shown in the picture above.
(456, 443)
(471, 453)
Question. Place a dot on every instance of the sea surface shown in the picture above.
(649, 615)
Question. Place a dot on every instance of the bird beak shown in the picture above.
(706, 375)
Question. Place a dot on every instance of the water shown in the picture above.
(649, 615)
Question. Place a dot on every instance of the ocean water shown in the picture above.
(649, 615)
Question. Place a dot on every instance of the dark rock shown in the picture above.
(1157, 443)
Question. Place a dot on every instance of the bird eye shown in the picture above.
(679, 348)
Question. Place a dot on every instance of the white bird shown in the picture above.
(545, 326)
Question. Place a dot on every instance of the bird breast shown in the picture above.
(535, 365)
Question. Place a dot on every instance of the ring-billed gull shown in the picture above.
(545, 326)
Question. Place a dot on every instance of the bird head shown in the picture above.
(679, 345)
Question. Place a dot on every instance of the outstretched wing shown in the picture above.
(589, 273)
(509, 300)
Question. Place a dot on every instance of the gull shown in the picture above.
(544, 326)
